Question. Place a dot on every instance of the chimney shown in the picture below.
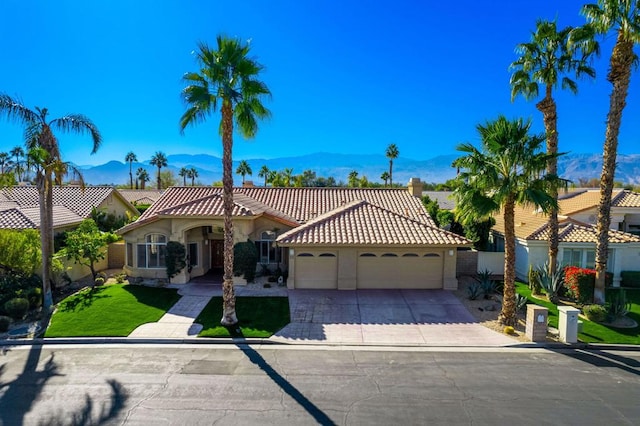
(415, 187)
(248, 184)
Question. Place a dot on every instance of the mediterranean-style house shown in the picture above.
(140, 196)
(577, 233)
(330, 238)
(19, 206)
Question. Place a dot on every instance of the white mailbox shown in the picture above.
(568, 324)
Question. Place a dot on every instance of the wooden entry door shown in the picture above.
(217, 253)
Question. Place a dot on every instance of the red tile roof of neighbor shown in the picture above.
(572, 231)
(19, 205)
(345, 215)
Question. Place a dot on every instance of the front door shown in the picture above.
(217, 253)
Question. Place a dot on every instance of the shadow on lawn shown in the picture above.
(21, 394)
(82, 300)
(315, 412)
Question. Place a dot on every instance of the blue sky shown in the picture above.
(346, 76)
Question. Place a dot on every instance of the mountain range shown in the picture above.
(436, 170)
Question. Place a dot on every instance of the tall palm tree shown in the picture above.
(546, 61)
(507, 170)
(228, 76)
(159, 159)
(130, 158)
(192, 174)
(264, 173)
(18, 154)
(623, 17)
(244, 169)
(143, 177)
(5, 162)
(39, 135)
(385, 177)
(183, 173)
(287, 176)
(391, 153)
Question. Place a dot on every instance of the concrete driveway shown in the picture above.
(384, 317)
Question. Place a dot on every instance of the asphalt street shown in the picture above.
(228, 384)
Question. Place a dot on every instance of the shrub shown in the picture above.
(619, 306)
(488, 285)
(5, 322)
(595, 313)
(176, 258)
(580, 283)
(98, 281)
(34, 295)
(534, 281)
(630, 279)
(474, 290)
(551, 282)
(245, 258)
(509, 330)
(17, 308)
(120, 278)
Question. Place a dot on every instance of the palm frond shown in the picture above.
(14, 109)
(80, 124)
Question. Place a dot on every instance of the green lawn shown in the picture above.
(110, 311)
(257, 316)
(594, 332)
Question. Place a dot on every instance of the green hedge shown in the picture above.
(630, 279)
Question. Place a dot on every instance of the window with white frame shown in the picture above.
(266, 248)
(585, 258)
(152, 253)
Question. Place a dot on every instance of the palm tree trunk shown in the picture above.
(508, 313)
(619, 75)
(131, 174)
(159, 184)
(548, 108)
(391, 173)
(46, 239)
(229, 317)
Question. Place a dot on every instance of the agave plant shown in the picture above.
(521, 302)
(474, 290)
(619, 306)
(487, 284)
(551, 281)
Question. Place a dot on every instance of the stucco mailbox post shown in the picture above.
(536, 327)
(568, 324)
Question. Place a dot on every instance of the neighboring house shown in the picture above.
(342, 238)
(577, 233)
(19, 206)
(140, 196)
(445, 199)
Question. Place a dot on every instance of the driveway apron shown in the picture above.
(384, 317)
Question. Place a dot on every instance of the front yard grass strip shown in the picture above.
(258, 317)
(593, 332)
(110, 311)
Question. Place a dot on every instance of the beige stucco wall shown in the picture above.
(114, 205)
(490, 261)
(77, 271)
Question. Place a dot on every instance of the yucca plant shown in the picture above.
(474, 290)
(551, 281)
(487, 284)
(521, 302)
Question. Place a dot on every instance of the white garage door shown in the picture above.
(395, 269)
(316, 269)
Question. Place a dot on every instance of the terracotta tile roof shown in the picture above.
(15, 219)
(626, 199)
(71, 204)
(140, 196)
(574, 202)
(362, 223)
(571, 231)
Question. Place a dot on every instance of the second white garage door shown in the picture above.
(400, 270)
(316, 269)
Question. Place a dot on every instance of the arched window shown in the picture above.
(327, 255)
(152, 253)
(367, 255)
(389, 255)
(432, 255)
(409, 255)
(305, 255)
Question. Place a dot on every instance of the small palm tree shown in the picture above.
(264, 173)
(353, 179)
(18, 154)
(507, 170)
(5, 162)
(39, 136)
(244, 169)
(547, 60)
(130, 158)
(391, 153)
(159, 159)
(192, 174)
(623, 17)
(183, 173)
(385, 177)
(287, 176)
(228, 76)
(143, 177)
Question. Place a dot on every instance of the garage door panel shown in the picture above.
(408, 271)
(316, 270)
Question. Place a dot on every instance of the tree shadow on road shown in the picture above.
(19, 396)
(599, 358)
(285, 385)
